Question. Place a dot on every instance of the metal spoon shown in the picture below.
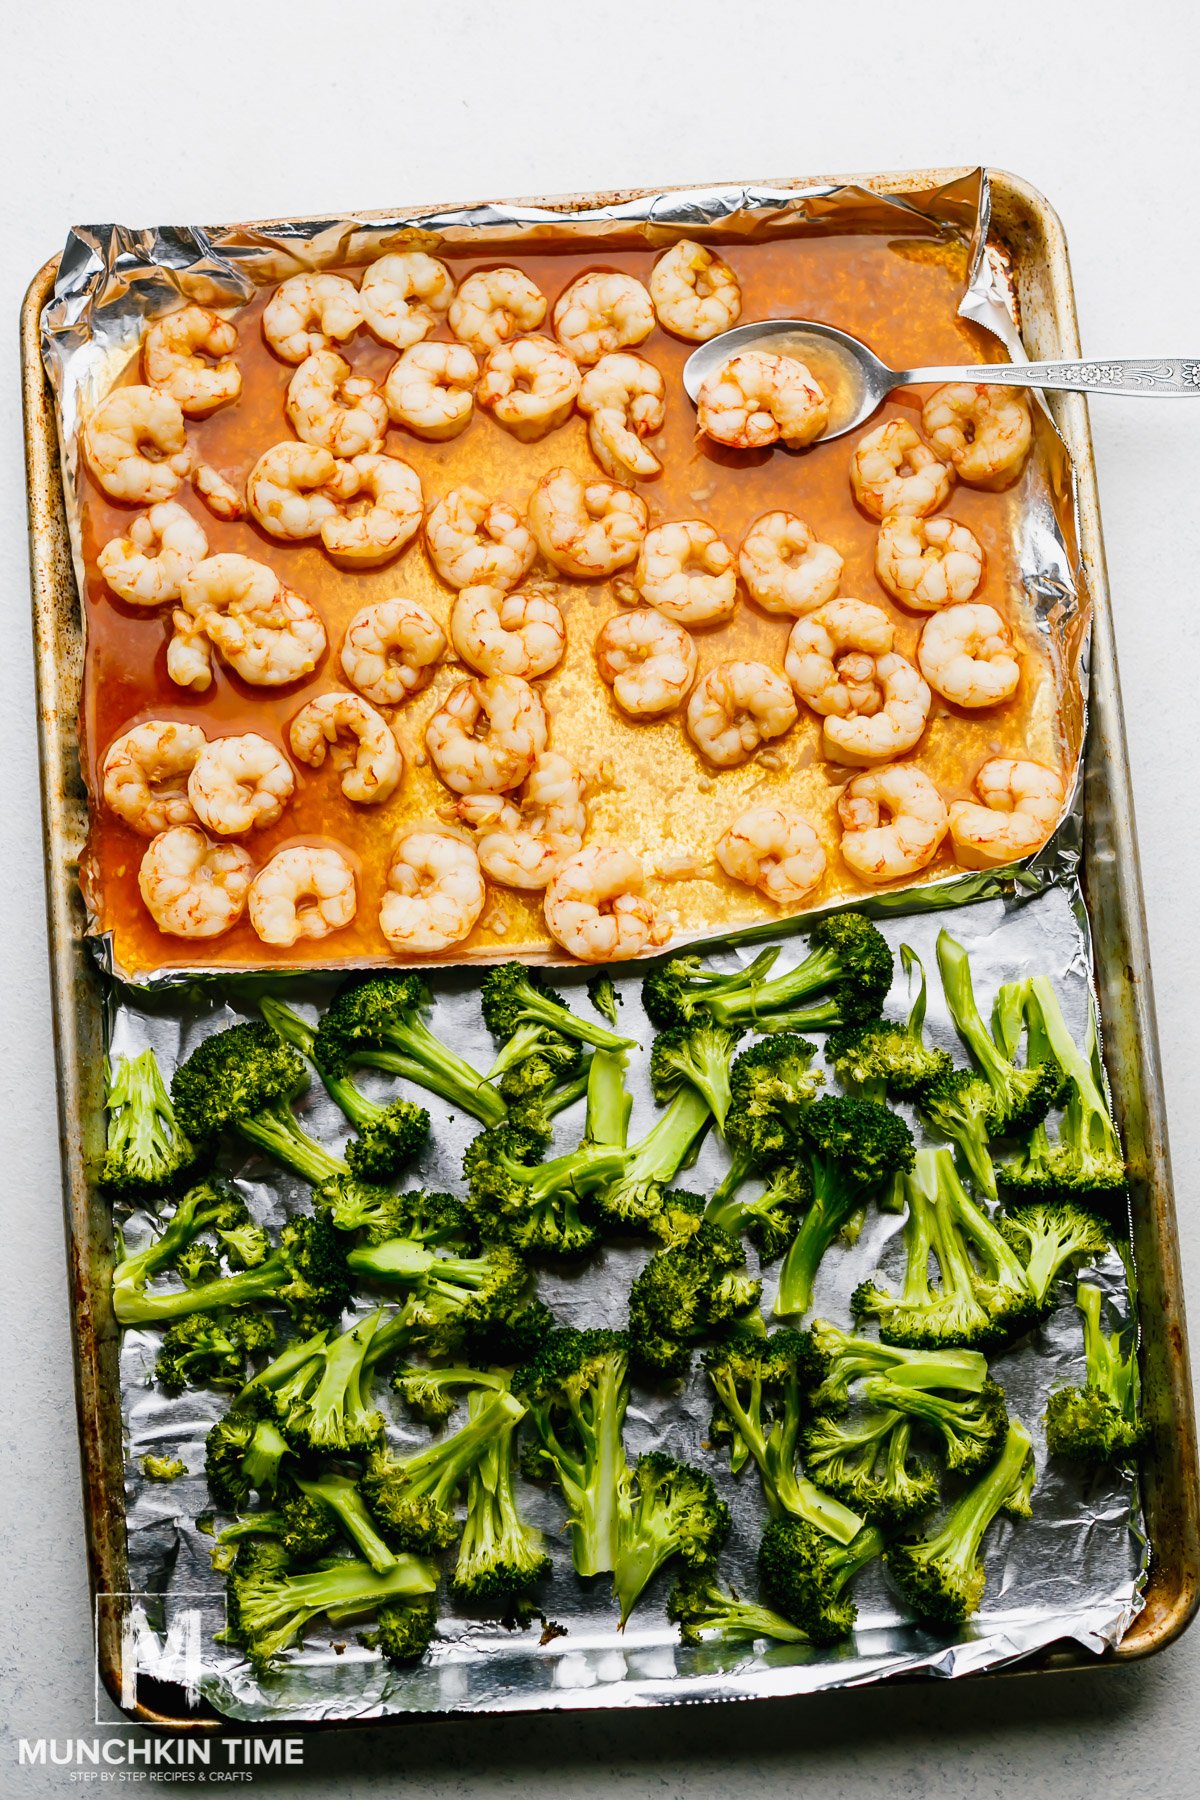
(857, 382)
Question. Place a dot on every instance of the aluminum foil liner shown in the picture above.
(1073, 1571)
(113, 278)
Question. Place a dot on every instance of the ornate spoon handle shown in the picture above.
(1165, 376)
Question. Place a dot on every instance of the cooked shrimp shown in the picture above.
(475, 543)
(928, 563)
(892, 471)
(303, 892)
(294, 488)
(524, 839)
(966, 655)
(487, 734)
(774, 849)
(586, 529)
(785, 568)
(602, 312)
(191, 887)
(624, 400)
(596, 909)
(361, 744)
(529, 386)
(840, 632)
(310, 312)
(384, 515)
(146, 771)
(189, 653)
(985, 431)
(330, 406)
(1021, 805)
(267, 634)
(494, 305)
(759, 398)
(218, 493)
(173, 353)
(648, 661)
(430, 390)
(695, 294)
(893, 821)
(736, 707)
(147, 567)
(136, 445)
(239, 784)
(508, 634)
(391, 650)
(435, 893)
(685, 571)
(404, 295)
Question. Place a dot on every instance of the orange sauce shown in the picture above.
(652, 792)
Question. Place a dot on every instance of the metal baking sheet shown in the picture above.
(1026, 226)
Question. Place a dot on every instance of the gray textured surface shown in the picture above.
(279, 108)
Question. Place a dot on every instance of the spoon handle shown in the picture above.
(1166, 376)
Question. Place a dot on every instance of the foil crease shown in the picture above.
(1074, 1571)
(113, 278)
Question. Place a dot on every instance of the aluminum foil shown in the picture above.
(1073, 1571)
(112, 278)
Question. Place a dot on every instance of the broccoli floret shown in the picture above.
(853, 1148)
(670, 1509)
(772, 1084)
(210, 1350)
(971, 1430)
(469, 1291)
(699, 1053)
(242, 1455)
(703, 1609)
(1020, 1097)
(430, 1393)
(246, 1246)
(866, 1462)
(1098, 1423)
(434, 1219)
(602, 993)
(341, 1496)
(388, 1136)
(805, 1576)
(941, 1577)
(527, 1018)
(678, 1218)
(757, 1384)
(884, 1060)
(403, 1633)
(682, 988)
(379, 1022)
(535, 1101)
(163, 1468)
(849, 963)
(306, 1272)
(198, 1264)
(508, 1340)
(576, 1390)
(270, 1604)
(958, 1105)
(635, 1176)
(984, 1296)
(412, 1497)
(512, 1193)
(1049, 1237)
(1086, 1158)
(831, 1360)
(500, 1557)
(770, 1219)
(147, 1153)
(324, 1404)
(685, 1295)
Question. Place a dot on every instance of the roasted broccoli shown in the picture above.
(682, 988)
(700, 1053)
(771, 1085)
(1086, 1158)
(431, 1393)
(984, 1296)
(849, 963)
(1050, 1237)
(388, 1136)
(147, 1153)
(941, 1577)
(243, 1455)
(379, 1022)
(883, 1060)
(210, 1350)
(1020, 1097)
(163, 1468)
(1099, 1422)
(703, 1609)
(603, 995)
(852, 1149)
(669, 1509)
(805, 1575)
(865, 1461)
(758, 1415)
(576, 1389)
(512, 1193)
(830, 1360)
(630, 1195)
(412, 1497)
(686, 1294)
(958, 1105)
(524, 1014)
(319, 1392)
(270, 1603)
(500, 1556)
(460, 1291)
(971, 1429)
(679, 1216)
(403, 1630)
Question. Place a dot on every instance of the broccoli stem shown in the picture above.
(437, 1470)
(297, 1032)
(959, 1539)
(279, 1135)
(1114, 1374)
(595, 1504)
(832, 1208)
(567, 1093)
(746, 1004)
(133, 1306)
(342, 1497)
(608, 1101)
(339, 1390)
(469, 1092)
(536, 1009)
(786, 1491)
(960, 1000)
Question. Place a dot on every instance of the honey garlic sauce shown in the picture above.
(650, 789)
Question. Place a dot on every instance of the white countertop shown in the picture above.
(273, 109)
